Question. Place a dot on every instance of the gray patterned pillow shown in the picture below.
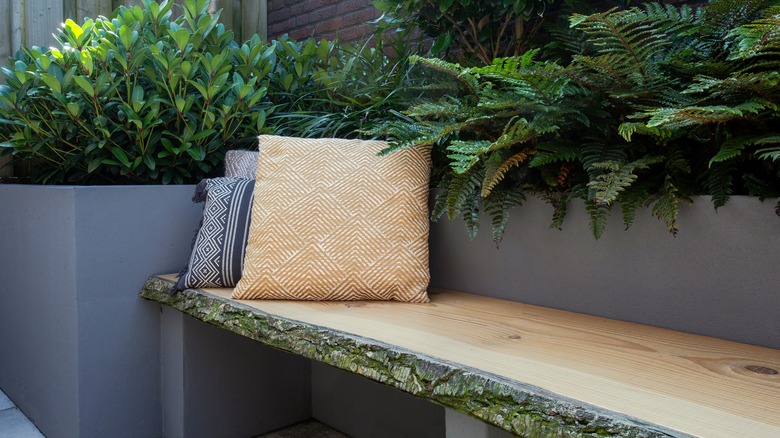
(218, 249)
(241, 164)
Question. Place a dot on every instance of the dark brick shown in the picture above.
(321, 18)
(345, 6)
(353, 33)
(359, 17)
(322, 14)
(328, 25)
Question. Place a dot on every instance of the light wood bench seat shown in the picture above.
(531, 370)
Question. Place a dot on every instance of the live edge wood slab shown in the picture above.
(531, 370)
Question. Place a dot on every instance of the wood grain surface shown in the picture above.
(692, 384)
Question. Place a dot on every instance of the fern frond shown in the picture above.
(597, 152)
(637, 35)
(598, 214)
(498, 205)
(517, 131)
(439, 202)
(722, 16)
(628, 208)
(496, 170)
(720, 182)
(502, 66)
(763, 85)
(554, 152)
(446, 108)
(559, 214)
(760, 187)
(543, 83)
(628, 129)
(771, 153)
(452, 69)
(460, 189)
(768, 154)
(470, 210)
(675, 118)
(758, 38)
(603, 72)
(677, 163)
(666, 207)
(465, 154)
(607, 186)
(560, 201)
(733, 147)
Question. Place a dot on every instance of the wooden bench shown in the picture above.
(530, 370)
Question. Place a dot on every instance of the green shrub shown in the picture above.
(482, 30)
(335, 89)
(140, 97)
(663, 103)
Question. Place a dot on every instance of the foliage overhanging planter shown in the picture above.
(655, 104)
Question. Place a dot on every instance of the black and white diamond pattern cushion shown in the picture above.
(218, 250)
(241, 164)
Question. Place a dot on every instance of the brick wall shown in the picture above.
(320, 18)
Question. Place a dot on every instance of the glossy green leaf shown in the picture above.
(441, 43)
(85, 85)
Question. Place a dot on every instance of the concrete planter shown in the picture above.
(79, 351)
(718, 277)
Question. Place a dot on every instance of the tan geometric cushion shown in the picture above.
(332, 221)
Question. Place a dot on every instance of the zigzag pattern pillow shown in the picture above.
(333, 221)
(241, 164)
(218, 250)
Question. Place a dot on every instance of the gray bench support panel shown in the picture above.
(462, 426)
(362, 408)
(216, 384)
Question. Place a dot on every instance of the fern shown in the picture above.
(598, 214)
(607, 186)
(496, 169)
(452, 69)
(740, 85)
(439, 204)
(676, 118)
(628, 129)
(661, 102)
(723, 16)
(554, 152)
(470, 209)
(559, 213)
(628, 208)
(733, 147)
(498, 205)
(757, 38)
(518, 131)
(594, 153)
(460, 189)
(720, 183)
(772, 153)
(465, 154)
(666, 207)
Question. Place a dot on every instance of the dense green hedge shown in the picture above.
(156, 94)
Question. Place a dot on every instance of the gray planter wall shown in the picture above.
(79, 351)
(718, 277)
